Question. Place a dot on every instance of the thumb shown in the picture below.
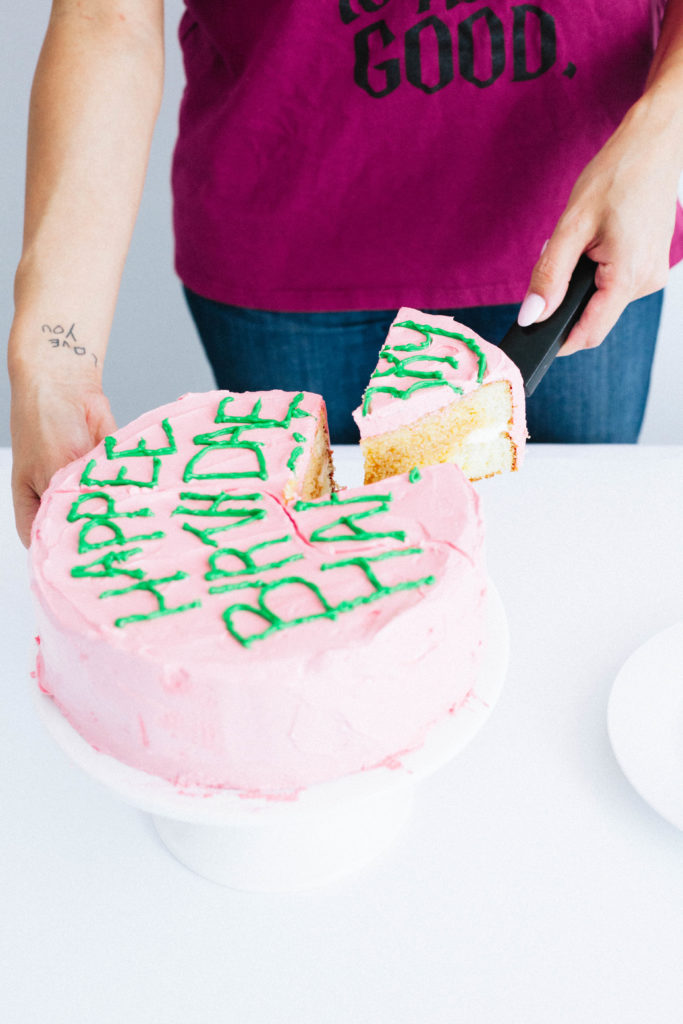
(99, 418)
(550, 276)
(26, 503)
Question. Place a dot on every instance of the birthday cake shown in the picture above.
(212, 611)
(441, 393)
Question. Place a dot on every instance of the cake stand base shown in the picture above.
(329, 830)
(302, 852)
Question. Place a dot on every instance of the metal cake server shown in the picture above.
(533, 348)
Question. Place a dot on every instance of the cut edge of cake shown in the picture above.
(474, 432)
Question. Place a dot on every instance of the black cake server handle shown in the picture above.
(533, 348)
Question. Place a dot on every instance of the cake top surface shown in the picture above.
(426, 361)
(185, 534)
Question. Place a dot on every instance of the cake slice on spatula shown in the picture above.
(441, 393)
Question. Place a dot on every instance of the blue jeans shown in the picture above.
(596, 396)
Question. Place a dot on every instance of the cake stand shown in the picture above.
(328, 831)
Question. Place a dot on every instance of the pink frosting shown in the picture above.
(179, 695)
(386, 412)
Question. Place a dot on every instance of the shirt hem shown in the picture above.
(346, 299)
(338, 300)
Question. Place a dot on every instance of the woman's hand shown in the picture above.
(54, 419)
(620, 213)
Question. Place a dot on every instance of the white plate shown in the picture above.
(645, 722)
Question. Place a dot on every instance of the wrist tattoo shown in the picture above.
(60, 337)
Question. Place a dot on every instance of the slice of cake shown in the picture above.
(440, 393)
(211, 611)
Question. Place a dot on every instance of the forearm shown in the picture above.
(662, 100)
(95, 97)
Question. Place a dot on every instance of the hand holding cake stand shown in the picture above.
(328, 831)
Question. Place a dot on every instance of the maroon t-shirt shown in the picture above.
(368, 154)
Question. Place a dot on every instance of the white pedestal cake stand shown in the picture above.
(329, 830)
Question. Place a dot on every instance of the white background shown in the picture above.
(152, 327)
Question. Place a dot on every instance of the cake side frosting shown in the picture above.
(426, 362)
(198, 625)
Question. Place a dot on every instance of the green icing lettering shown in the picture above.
(364, 562)
(296, 454)
(403, 367)
(351, 531)
(106, 519)
(254, 420)
(275, 623)
(152, 587)
(118, 536)
(219, 508)
(249, 566)
(108, 566)
(75, 512)
(219, 505)
(121, 479)
(414, 475)
(206, 534)
(427, 331)
(141, 447)
(228, 439)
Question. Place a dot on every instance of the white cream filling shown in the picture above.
(484, 435)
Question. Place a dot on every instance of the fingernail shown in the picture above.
(530, 310)
(545, 246)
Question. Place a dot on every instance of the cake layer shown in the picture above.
(206, 614)
(472, 432)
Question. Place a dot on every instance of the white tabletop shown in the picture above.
(531, 886)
